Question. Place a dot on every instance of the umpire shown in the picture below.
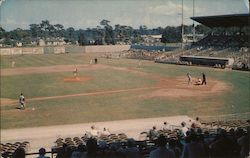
(204, 79)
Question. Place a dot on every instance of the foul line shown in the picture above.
(93, 93)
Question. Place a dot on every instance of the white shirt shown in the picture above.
(184, 130)
(165, 127)
(21, 99)
(94, 132)
(106, 133)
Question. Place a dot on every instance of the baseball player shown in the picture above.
(22, 101)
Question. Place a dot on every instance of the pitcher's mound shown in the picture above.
(77, 79)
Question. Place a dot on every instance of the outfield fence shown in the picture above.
(64, 49)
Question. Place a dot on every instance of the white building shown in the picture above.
(152, 38)
(19, 44)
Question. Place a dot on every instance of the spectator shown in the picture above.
(19, 153)
(194, 149)
(131, 151)
(153, 133)
(222, 146)
(42, 153)
(105, 132)
(93, 131)
(189, 124)
(173, 145)
(184, 129)
(63, 152)
(243, 141)
(91, 149)
(197, 122)
(165, 126)
(79, 152)
(162, 151)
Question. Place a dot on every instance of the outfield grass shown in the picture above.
(126, 105)
(52, 84)
(37, 60)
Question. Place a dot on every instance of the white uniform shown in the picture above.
(22, 101)
(189, 78)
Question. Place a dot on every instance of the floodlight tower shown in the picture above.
(182, 27)
(1, 1)
(193, 22)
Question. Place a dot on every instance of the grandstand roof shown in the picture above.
(237, 20)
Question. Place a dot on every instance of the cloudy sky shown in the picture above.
(88, 13)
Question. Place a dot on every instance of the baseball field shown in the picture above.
(113, 89)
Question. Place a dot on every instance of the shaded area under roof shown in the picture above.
(233, 20)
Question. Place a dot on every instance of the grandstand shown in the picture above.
(220, 136)
(232, 46)
(117, 143)
(238, 42)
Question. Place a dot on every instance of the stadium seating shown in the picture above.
(8, 149)
(117, 145)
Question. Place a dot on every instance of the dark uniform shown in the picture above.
(204, 79)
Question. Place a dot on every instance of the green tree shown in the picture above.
(59, 31)
(171, 35)
(46, 28)
(82, 39)
(108, 32)
(2, 33)
(143, 30)
(71, 35)
(35, 30)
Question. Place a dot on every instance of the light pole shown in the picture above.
(193, 22)
(182, 27)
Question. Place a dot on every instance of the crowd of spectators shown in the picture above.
(192, 139)
(224, 41)
(214, 45)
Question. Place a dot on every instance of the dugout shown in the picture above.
(207, 61)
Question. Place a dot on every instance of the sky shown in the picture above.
(88, 13)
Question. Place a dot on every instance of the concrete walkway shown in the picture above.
(46, 135)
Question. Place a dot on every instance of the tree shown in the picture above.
(171, 35)
(45, 25)
(104, 22)
(109, 34)
(82, 39)
(19, 34)
(46, 28)
(143, 30)
(59, 30)
(71, 34)
(2, 33)
(35, 30)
